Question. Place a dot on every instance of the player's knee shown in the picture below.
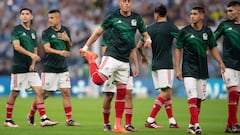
(98, 78)
(121, 91)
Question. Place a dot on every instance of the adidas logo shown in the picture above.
(192, 36)
(53, 36)
(230, 28)
(119, 21)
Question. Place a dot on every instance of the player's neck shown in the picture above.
(161, 19)
(26, 25)
(197, 26)
(56, 27)
(125, 13)
(237, 21)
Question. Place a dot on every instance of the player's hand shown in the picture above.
(82, 50)
(136, 72)
(32, 68)
(35, 57)
(178, 75)
(144, 61)
(64, 53)
(147, 43)
(222, 67)
(63, 36)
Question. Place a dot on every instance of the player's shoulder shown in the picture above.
(17, 27)
(226, 22)
(186, 28)
(136, 15)
(47, 29)
(207, 28)
(64, 27)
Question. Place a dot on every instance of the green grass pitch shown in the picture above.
(88, 112)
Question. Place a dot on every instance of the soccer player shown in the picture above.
(56, 41)
(109, 89)
(123, 23)
(194, 40)
(162, 34)
(23, 74)
(230, 29)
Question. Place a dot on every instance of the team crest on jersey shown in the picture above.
(205, 36)
(33, 36)
(133, 22)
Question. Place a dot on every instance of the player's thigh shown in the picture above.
(122, 73)
(130, 83)
(190, 85)
(163, 78)
(109, 85)
(64, 80)
(50, 81)
(201, 88)
(231, 77)
(34, 79)
(112, 67)
(155, 80)
(19, 82)
(108, 65)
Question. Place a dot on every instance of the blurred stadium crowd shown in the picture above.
(82, 16)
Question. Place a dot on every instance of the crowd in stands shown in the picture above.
(82, 16)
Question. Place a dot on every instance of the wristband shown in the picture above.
(85, 48)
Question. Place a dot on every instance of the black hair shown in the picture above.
(161, 10)
(199, 9)
(54, 11)
(233, 3)
(28, 9)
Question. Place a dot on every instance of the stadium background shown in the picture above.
(82, 17)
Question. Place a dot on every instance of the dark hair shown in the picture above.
(28, 9)
(199, 9)
(161, 10)
(54, 11)
(233, 3)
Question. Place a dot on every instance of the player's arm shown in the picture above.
(133, 56)
(218, 58)
(177, 59)
(93, 38)
(141, 52)
(147, 40)
(48, 49)
(19, 48)
(32, 66)
(219, 31)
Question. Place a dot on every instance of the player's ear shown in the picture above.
(202, 16)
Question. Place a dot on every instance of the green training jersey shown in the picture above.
(123, 34)
(106, 37)
(162, 35)
(54, 63)
(231, 43)
(28, 40)
(195, 44)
